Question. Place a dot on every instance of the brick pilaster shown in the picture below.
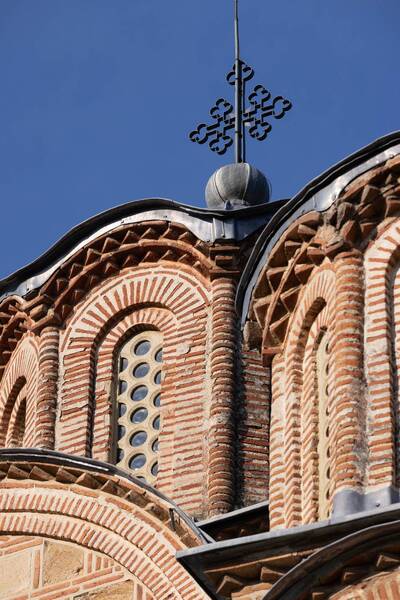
(347, 408)
(47, 388)
(221, 435)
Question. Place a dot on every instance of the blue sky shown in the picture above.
(98, 97)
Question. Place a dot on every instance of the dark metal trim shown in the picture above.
(235, 514)
(301, 578)
(197, 560)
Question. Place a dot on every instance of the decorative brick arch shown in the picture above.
(109, 515)
(177, 302)
(315, 309)
(159, 318)
(382, 322)
(361, 566)
(22, 372)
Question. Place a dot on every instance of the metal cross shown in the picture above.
(226, 117)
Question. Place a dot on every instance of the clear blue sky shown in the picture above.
(98, 96)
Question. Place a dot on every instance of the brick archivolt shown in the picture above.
(103, 513)
(20, 381)
(358, 240)
(331, 302)
(315, 313)
(382, 355)
(361, 566)
(175, 303)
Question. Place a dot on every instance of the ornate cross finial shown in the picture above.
(226, 117)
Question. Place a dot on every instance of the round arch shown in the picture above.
(88, 503)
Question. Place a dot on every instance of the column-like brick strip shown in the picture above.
(221, 429)
(349, 410)
(277, 433)
(47, 388)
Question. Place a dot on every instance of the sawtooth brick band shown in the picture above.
(134, 536)
(384, 586)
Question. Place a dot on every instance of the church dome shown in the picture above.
(236, 186)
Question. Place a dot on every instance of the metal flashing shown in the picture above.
(234, 514)
(207, 225)
(196, 560)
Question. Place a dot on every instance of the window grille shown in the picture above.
(138, 417)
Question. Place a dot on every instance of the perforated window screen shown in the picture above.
(138, 418)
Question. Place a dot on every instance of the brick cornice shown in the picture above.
(129, 246)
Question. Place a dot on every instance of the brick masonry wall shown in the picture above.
(315, 311)
(68, 333)
(277, 438)
(221, 441)
(335, 288)
(22, 372)
(253, 421)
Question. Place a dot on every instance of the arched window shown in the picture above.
(17, 426)
(138, 400)
(322, 373)
(13, 421)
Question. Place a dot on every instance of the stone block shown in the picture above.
(15, 574)
(61, 562)
(118, 591)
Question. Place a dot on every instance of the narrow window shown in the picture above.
(17, 433)
(138, 402)
(322, 373)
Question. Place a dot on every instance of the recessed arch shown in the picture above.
(62, 498)
(177, 304)
(22, 372)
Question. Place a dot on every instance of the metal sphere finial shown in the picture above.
(237, 186)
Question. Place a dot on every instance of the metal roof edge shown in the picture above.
(234, 514)
(272, 542)
(255, 215)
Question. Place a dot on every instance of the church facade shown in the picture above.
(204, 403)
